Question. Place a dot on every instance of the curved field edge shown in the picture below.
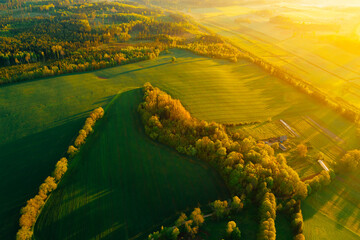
(122, 184)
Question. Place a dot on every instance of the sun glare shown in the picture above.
(180, 119)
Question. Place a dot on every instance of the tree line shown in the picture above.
(341, 106)
(75, 36)
(244, 163)
(292, 209)
(217, 47)
(188, 227)
(249, 168)
(267, 216)
(80, 62)
(32, 209)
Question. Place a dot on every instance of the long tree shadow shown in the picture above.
(25, 163)
(348, 188)
(103, 73)
(344, 201)
(320, 198)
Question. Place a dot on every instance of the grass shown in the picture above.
(126, 180)
(304, 54)
(39, 119)
(318, 140)
(283, 227)
(262, 131)
(335, 210)
(247, 221)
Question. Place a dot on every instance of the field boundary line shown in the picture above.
(323, 130)
(289, 128)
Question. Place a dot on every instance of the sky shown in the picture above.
(330, 2)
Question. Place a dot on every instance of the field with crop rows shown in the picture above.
(295, 42)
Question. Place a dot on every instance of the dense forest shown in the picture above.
(46, 38)
(190, 3)
(55, 37)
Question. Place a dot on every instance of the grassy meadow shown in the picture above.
(317, 44)
(39, 119)
(337, 206)
(122, 184)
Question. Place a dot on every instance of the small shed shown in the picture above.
(323, 165)
(282, 147)
(283, 138)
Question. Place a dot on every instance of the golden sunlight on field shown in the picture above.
(180, 119)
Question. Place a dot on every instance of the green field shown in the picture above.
(122, 184)
(39, 119)
(263, 130)
(308, 54)
(335, 207)
(333, 212)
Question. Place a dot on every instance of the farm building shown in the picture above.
(280, 139)
(283, 138)
(323, 165)
(282, 147)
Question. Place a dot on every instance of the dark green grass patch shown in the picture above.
(122, 184)
(247, 221)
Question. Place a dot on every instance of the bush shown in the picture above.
(60, 168)
(30, 212)
(349, 162)
(268, 215)
(197, 217)
(24, 234)
(299, 237)
(319, 181)
(220, 209)
(72, 151)
(302, 150)
(236, 204)
(95, 115)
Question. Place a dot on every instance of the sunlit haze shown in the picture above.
(180, 119)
